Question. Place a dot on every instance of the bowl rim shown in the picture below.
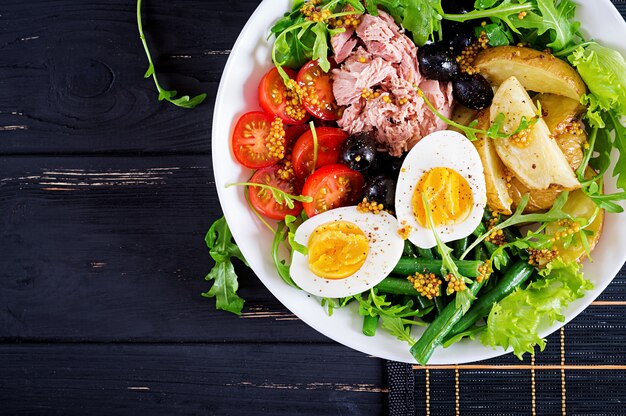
(231, 216)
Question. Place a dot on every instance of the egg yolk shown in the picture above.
(337, 250)
(448, 194)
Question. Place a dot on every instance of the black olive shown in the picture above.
(358, 152)
(437, 63)
(473, 91)
(381, 189)
(390, 165)
(457, 6)
(462, 40)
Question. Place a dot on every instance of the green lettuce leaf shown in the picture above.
(604, 71)
(515, 320)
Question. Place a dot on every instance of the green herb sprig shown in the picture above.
(554, 214)
(495, 129)
(225, 281)
(463, 298)
(168, 95)
(281, 197)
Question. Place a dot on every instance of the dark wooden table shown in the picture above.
(105, 196)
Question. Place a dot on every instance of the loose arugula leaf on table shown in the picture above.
(225, 282)
(168, 95)
(516, 319)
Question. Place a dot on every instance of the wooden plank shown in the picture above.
(111, 249)
(71, 74)
(188, 379)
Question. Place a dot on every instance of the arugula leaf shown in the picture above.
(281, 197)
(225, 283)
(281, 265)
(463, 298)
(554, 18)
(495, 129)
(169, 95)
(497, 34)
(320, 46)
(554, 214)
(515, 320)
(395, 327)
(471, 333)
(506, 12)
(374, 304)
(292, 224)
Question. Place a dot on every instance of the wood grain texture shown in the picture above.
(112, 249)
(71, 74)
(200, 379)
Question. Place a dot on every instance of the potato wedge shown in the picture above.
(540, 163)
(562, 116)
(540, 199)
(498, 198)
(579, 205)
(537, 71)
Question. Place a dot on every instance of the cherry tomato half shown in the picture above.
(250, 140)
(332, 186)
(318, 97)
(329, 141)
(292, 134)
(275, 98)
(262, 199)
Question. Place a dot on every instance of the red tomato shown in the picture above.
(329, 141)
(250, 140)
(292, 134)
(262, 199)
(275, 98)
(318, 97)
(332, 186)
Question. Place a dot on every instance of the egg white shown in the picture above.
(385, 251)
(446, 149)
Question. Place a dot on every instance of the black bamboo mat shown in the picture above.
(582, 371)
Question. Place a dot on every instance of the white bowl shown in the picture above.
(248, 61)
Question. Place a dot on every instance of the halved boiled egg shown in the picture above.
(348, 252)
(445, 168)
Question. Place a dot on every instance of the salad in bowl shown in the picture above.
(421, 179)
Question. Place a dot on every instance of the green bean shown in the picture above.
(408, 266)
(439, 329)
(517, 274)
(439, 304)
(460, 246)
(397, 286)
(409, 249)
(425, 253)
(423, 302)
(370, 323)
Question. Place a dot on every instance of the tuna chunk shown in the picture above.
(343, 44)
(386, 64)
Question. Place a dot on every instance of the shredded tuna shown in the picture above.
(343, 44)
(377, 85)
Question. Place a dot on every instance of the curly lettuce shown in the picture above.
(604, 71)
(516, 319)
